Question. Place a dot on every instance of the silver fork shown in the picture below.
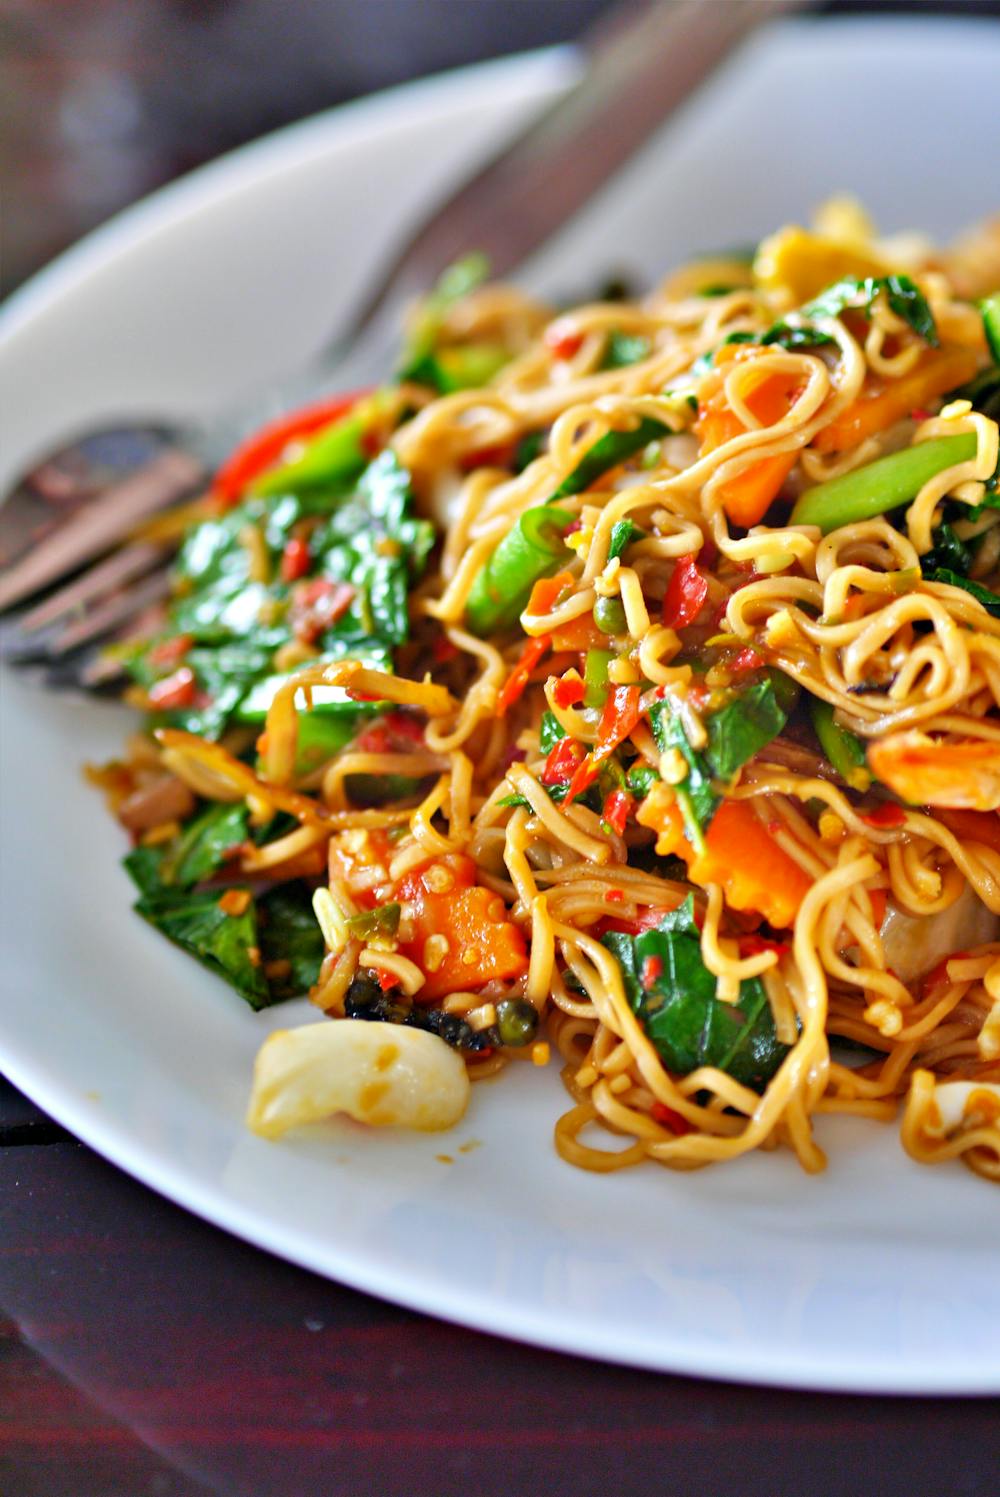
(82, 500)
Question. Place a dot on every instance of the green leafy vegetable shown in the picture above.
(367, 548)
(742, 727)
(984, 595)
(696, 797)
(673, 993)
(550, 730)
(205, 845)
(843, 749)
(222, 943)
(903, 296)
(947, 551)
(640, 779)
(608, 452)
(625, 348)
(983, 391)
(289, 932)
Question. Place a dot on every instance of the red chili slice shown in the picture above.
(685, 595)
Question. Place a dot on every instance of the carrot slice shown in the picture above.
(461, 937)
(747, 497)
(882, 402)
(740, 854)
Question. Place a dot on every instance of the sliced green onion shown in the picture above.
(843, 749)
(464, 367)
(383, 920)
(990, 309)
(334, 456)
(882, 485)
(608, 452)
(532, 549)
(595, 677)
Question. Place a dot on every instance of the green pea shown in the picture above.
(517, 1021)
(609, 615)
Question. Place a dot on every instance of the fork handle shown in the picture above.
(642, 62)
(103, 521)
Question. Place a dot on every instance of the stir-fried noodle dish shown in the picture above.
(616, 688)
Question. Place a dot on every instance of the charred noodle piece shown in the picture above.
(882, 485)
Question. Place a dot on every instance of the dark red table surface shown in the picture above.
(142, 1351)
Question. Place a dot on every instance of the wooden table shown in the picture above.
(142, 1351)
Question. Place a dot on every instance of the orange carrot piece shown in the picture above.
(883, 402)
(546, 591)
(580, 633)
(741, 855)
(475, 940)
(747, 497)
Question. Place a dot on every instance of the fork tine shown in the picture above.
(95, 527)
(111, 612)
(121, 567)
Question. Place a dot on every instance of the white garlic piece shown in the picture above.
(389, 1076)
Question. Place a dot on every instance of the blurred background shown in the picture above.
(107, 99)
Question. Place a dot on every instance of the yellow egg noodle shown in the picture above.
(684, 764)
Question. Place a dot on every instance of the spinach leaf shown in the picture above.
(625, 348)
(640, 779)
(696, 788)
(983, 391)
(984, 595)
(608, 452)
(673, 993)
(143, 867)
(222, 943)
(904, 297)
(948, 551)
(369, 538)
(202, 848)
(205, 844)
(289, 932)
(743, 726)
(550, 730)
(623, 533)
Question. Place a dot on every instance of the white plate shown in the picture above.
(877, 1275)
